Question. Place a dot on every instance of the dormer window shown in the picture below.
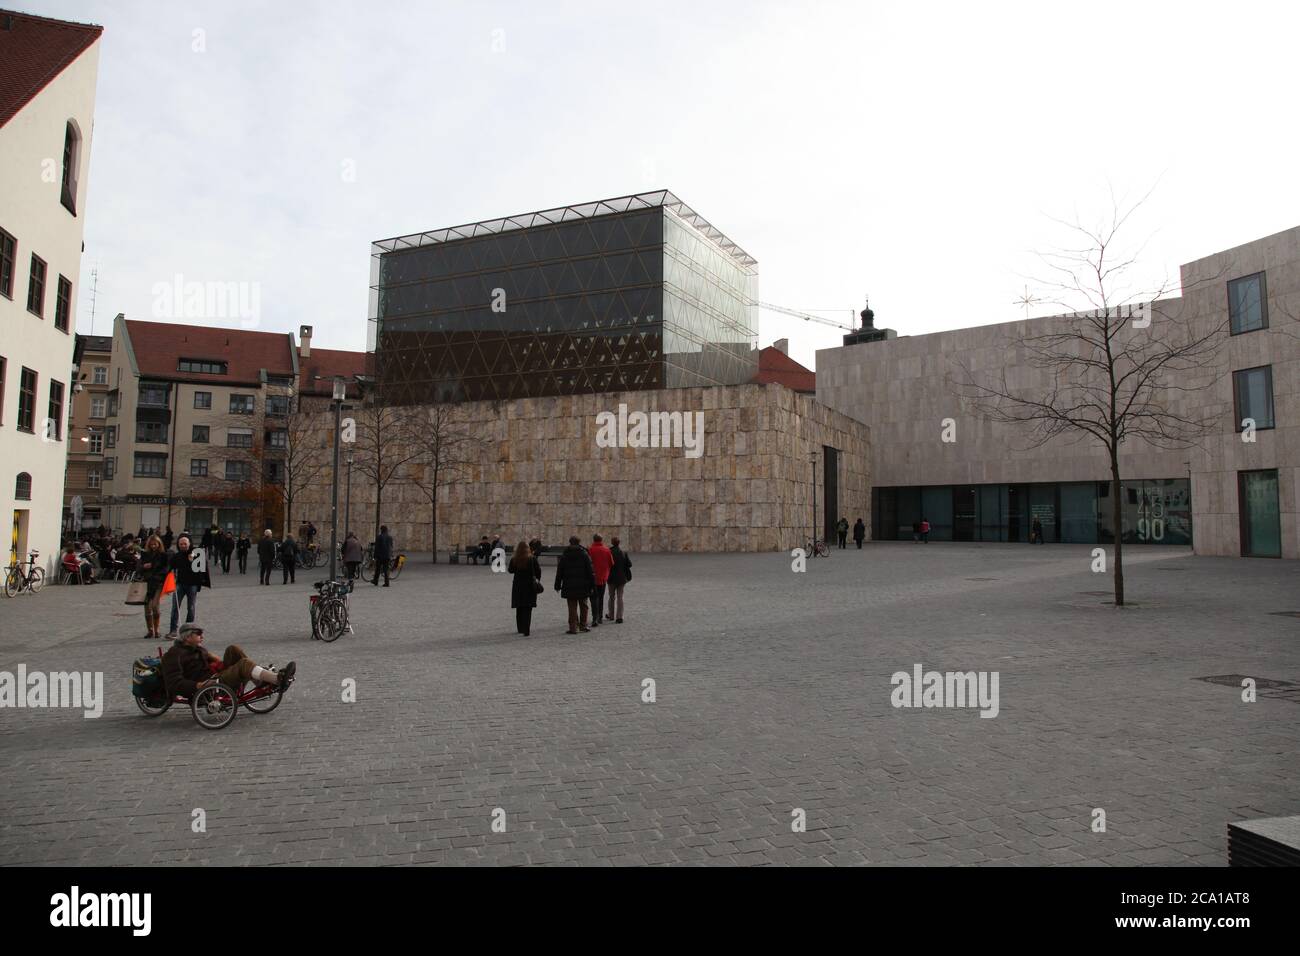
(201, 366)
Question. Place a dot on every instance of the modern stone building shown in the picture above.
(47, 106)
(1228, 495)
(540, 471)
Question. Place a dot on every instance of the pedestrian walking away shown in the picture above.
(525, 587)
(353, 554)
(288, 558)
(925, 531)
(383, 554)
(241, 549)
(265, 557)
(620, 573)
(842, 531)
(601, 563)
(574, 579)
(859, 532)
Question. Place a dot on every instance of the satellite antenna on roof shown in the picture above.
(94, 286)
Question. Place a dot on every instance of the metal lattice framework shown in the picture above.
(603, 207)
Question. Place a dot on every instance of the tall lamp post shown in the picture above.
(340, 393)
(347, 507)
(813, 457)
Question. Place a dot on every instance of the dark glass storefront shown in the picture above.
(637, 293)
(1154, 511)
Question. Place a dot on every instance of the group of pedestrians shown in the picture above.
(268, 550)
(842, 532)
(189, 575)
(583, 577)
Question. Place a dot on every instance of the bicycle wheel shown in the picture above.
(13, 582)
(331, 621)
(37, 579)
(309, 560)
(397, 569)
(214, 706)
(262, 705)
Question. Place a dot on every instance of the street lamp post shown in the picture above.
(813, 456)
(347, 507)
(340, 393)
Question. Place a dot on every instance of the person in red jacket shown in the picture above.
(602, 562)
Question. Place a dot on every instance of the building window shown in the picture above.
(1253, 393)
(1247, 304)
(96, 443)
(277, 405)
(36, 287)
(1261, 514)
(110, 468)
(96, 408)
(150, 465)
(23, 487)
(92, 478)
(278, 439)
(54, 428)
(99, 375)
(275, 472)
(241, 404)
(201, 366)
(112, 405)
(153, 396)
(239, 470)
(198, 468)
(71, 160)
(111, 436)
(202, 399)
(200, 435)
(239, 438)
(151, 433)
(8, 253)
(26, 400)
(62, 304)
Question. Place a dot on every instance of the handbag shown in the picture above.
(135, 592)
(538, 587)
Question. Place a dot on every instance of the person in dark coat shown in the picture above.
(383, 554)
(242, 547)
(265, 557)
(191, 570)
(227, 547)
(859, 533)
(527, 571)
(842, 531)
(619, 575)
(153, 571)
(353, 555)
(288, 558)
(168, 538)
(574, 579)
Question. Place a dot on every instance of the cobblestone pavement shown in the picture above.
(772, 695)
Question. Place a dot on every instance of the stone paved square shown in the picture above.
(772, 694)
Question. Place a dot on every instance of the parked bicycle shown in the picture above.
(20, 577)
(329, 610)
(816, 548)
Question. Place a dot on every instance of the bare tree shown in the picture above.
(445, 450)
(300, 456)
(384, 447)
(1113, 373)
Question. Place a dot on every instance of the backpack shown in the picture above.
(146, 677)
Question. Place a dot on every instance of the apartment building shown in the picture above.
(88, 436)
(197, 418)
(48, 72)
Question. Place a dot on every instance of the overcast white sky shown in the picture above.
(908, 151)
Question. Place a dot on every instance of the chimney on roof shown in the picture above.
(782, 346)
(304, 333)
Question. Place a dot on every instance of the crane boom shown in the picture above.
(805, 316)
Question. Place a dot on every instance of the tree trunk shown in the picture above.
(434, 520)
(379, 504)
(1117, 527)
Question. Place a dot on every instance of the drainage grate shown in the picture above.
(981, 579)
(1234, 680)
(1098, 593)
(1285, 613)
(1171, 569)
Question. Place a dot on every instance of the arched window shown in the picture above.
(71, 162)
(23, 487)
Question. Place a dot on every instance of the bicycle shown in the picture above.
(17, 580)
(816, 548)
(329, 610)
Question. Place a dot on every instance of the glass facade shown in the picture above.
(636, 293)
(1154, 511)
(1261, 517)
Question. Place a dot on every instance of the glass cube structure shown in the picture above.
(639, 292)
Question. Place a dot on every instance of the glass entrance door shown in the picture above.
(1261, 518)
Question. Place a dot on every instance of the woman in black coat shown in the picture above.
(523, 591)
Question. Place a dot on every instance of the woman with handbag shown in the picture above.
(527, 584)
(153, 572)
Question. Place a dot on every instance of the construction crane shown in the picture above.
(810, 318)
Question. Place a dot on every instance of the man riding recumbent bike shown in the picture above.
(214, 687)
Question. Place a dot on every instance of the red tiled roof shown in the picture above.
(33, 51)
(159, 347)
(327, 363)
(775, 366)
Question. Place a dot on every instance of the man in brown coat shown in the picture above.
(188, 666)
